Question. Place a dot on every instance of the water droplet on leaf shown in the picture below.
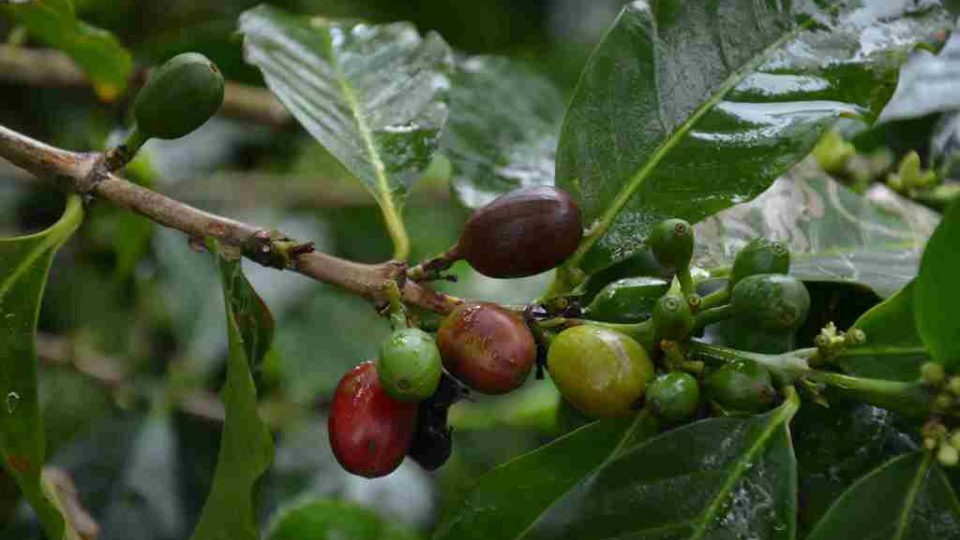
(13, 402)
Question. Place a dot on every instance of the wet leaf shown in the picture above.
(246, 446)
(324, 519)
(502, 133)
(716, 478)
(833, 234)
(686, 108)
(98, 52)
(937, 292)
(373, 96)
(24, 266)
(909, 498)
(928, 84)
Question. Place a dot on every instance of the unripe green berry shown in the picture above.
(759, 256)
(672, 318)
(932, 373)
(671, 241)
(741, 387)
(954, 385)
(948, 456)
(409, 365)
(929, 443)
(943, 402)
(179, 97)
(771, 302)
(674, 396)
(955, 439)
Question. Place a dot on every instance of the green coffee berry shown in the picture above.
(948, 456)
(671, 241)
(759, 256)
(180, 96)
(955, 439)
(674, 396)
(943, 402)
(929, 443)
(741, 387)
(672, 318)
(954, 385)
(409, 365)
(771, 302)
(627, 300)
(932, 373)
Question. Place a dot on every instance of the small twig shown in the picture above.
(75, 171)
(49, 68)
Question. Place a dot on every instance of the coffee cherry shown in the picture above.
(759, 256)
(487, 347)
(601, 372)
(627, 300)
(180, 96)
(525, 232)
(674, 397)
(671, 241)
(932, 373)
(771, 302)
(741, 387)
(370, 432)
(672, 318)
(409, 365)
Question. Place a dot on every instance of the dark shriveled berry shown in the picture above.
(487, 347)
(370, 432)
(433, 440)
(525, 232)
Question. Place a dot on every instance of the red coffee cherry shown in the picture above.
(525, 232)
(370, 432)
(487, 347)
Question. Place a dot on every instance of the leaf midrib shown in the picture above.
(911, 497)
(637, 180)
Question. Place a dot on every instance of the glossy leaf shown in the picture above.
(833, 234)
(323, 519)
(928, 84)
(509, 500)
(24, 265)
(686, 108)
(98, 52)
(893, 349)
(937, 292)
(502, 133)
(246, 446)
(909, 498)
(717, 478)
(373, 96)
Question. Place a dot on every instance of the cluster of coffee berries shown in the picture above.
(937, 436)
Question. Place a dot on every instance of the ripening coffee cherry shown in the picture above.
(180, 96)
(741, 387)
(409, 365)
(487, 347)
(627, 300)
(370, 432)
(759, 256)
(672, 318)
(525, 232)
(674, 396)
(771, 302)
(671, 241)
(601, 372)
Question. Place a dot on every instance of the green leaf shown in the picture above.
(893, 349)
(373, 96)
(509, 500)
(928, 84)
(323, 519)
(98, 52)
(686, 108)
(833, 233)
(246, 446)
(937, 293)
(909, 498)
(717, 478)
(502, 133)
(24, 265)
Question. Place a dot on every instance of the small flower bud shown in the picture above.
(948, 456)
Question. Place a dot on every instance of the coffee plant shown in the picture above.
(745, 325)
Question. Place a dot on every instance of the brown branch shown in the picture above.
(49, 68)
(80, 171)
